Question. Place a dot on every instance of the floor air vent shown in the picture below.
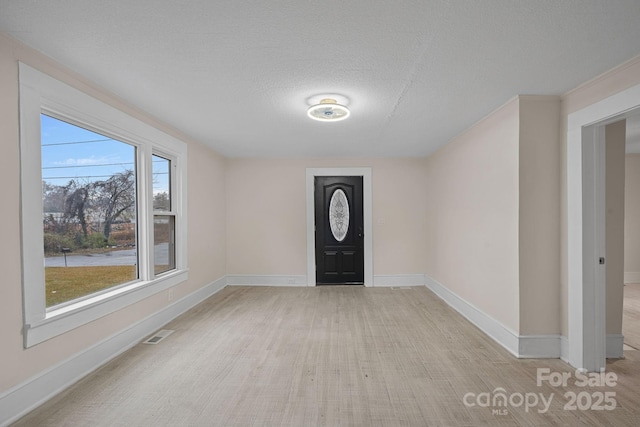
(401, 288)
(158, 336)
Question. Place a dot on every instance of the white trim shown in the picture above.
(632, 277)
(615, 346)
(593, 247)
(299, 280)
(19, 400)
(606, 111)
(564, 348)
(586, 346)
(266, 280)
(367, 213)
(539, 346)
(103, 305)
(42, 93)
(380, 280)
(496, 330)
(522, 346)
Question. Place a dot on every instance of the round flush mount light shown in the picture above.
(328, 110)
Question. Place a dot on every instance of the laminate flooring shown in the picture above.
(631, 316)
(335, 356)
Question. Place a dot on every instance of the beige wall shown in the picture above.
(206, 230)
(615, 163)
(614, 81)
(266, 218)
(632, 218)
(472, 215)
(539, 222)
(493, 232)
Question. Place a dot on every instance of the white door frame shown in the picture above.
(365, 173)
(586, 226)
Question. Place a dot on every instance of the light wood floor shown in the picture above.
(631, 315)
(328, 356)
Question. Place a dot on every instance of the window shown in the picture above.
(164, 217)
(103, 207)
(89, 211)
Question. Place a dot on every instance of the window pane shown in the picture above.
(89, 211)
(339, 215)
(164, 238)
(161, 184)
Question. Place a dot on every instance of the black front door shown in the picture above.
(339, 230)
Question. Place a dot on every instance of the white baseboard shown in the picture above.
(550, 346)
(297, 280)
(539, 346)
(266, 280)
(615, 346)
(632, 277)
(564, 349)
(522, 346)
(500, 333)
(398, 280)
(19, 400)
(614, 349)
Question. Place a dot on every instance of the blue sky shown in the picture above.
(69, 152)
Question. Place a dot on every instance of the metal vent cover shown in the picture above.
(158, 336)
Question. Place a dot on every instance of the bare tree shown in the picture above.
(77, 202)
(53, 203)
(53, 197)
(115, 197)
(161, 201)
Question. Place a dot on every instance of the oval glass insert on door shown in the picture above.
(339, 215)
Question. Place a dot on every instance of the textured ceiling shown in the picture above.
(239, 75)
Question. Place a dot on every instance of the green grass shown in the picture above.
(68, 283)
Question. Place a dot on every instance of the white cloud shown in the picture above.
(87, 161)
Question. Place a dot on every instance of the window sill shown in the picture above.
(64, 319)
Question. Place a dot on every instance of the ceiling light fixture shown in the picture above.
(328, 110)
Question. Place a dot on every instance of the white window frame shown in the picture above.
(172, 212)
(42, 94)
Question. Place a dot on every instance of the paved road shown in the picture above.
(123, 257)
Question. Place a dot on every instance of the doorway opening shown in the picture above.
(631, 274)
(586, 346)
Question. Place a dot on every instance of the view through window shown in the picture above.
(89, 211)
(163, 217)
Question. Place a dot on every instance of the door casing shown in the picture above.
(586, 340)
(367, 214)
